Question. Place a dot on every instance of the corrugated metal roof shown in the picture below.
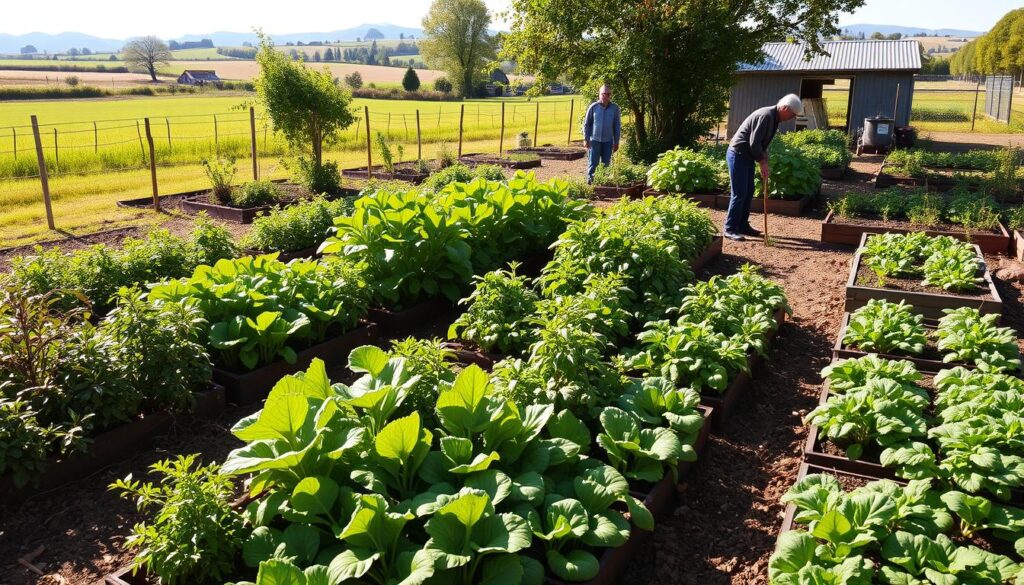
(839, 56)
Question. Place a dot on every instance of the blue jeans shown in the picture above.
(600, 152)
(741, 179)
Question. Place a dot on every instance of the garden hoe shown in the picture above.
(764, 211)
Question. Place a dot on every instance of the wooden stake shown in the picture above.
(14, 132)
(216, 135)
(536, 126)
(764, 209)
(141, 147)
(419, 141)
(96, 137)
(369, 149)
(152, 167)
(462, 113)
(501, 136)
(572, 106)
(252, 134)
(56, 150)
(168, 122)
(42, 173)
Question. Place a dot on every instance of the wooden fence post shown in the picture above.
(419, 139)
(252, 133)
(572, 107)
(462, 114)
(387, 130)
(536, 127)
(438, 116)
(141, 147)
(167, 121)
(501, 136)
(95, 138)
(152, 167)
(369, 149)
(974, 114)
(14, 132)
(216, 135)
(406, 124)
(56, 149)
(42, 173)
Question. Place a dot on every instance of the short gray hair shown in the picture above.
(792, 101)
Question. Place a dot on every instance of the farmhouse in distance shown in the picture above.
(198, 77)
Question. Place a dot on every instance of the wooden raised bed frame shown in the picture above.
(477, 158)
(112, 446)
(552, 152)
(709, 200)
(401, 173)
(811, 469)
(928, 366)
(930, 305)
(834, 232)
(252, 386)
(608, 192)
(787, 207)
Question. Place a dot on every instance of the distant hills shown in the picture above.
(57, 43)
(888, 29)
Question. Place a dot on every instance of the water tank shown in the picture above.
(878, 131)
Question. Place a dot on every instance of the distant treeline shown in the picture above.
(203, 44)
(368, 55)
(76, 68)
(85, 91)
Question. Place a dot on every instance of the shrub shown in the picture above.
(685, 171)
(460, 173)
(72, 80)
(24, 443)
(324, 178)
(255, 194)
(297, 227)
(793, 174)
(195, 534)
(411, 81)
(442, 85)
(221, 172)
(354, 80)
(579, 189)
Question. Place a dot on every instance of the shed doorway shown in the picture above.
(827, 102)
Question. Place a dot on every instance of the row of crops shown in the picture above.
(403, 463)
(913, 465)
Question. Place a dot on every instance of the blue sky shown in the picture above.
(122, 18)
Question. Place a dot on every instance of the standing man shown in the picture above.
(750, 145)
(601, 130)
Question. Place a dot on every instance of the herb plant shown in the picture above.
(619, 174)
(884, 327)
(255, 194)
(497, 312)
(685, 171)
(297, 227)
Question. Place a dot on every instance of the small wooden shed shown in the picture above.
(198, 77)
(879, 74)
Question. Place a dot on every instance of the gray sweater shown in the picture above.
(756, 133)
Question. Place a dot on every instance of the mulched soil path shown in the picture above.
(725, 528)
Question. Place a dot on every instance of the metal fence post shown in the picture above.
(974, 114)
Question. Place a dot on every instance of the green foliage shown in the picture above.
(221, 172)
(945, 262)
(194, 534)
(497, 312)
(260, 309)
(686, 171)
(460, 173)
(429, 360)
(793, 174)
(456, 40)
(844, 375)
(884, 327)
(94, 275)
(297, 227)
(827, 148)
(24, 442)
(411, 81)
(322, 178)
(255, 194)
(639, 453)
(619, 174)
(307, 106)
(965, 335)
(418, 245)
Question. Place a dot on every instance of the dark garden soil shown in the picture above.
(723, 531)
(877, 221)
(865, 277)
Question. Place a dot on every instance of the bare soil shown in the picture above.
(867, 278)
(876, 221)
(725, 528)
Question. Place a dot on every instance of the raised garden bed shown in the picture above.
(609, 192)
(110, 447)
(402, 323)
(709, 200)
(552, 152)
(844, 477)
(249, 387)
(833, 173)
(939, 184)
(789, 207)
(507, 162)
(243, 215)
(931, 362)
(724, 403)
(838, 231)
(928, 303)
(403, 171)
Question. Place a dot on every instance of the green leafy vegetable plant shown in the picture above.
(685, 171)
(965, 335)
(884, 327)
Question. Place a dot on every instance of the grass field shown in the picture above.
(84, 194)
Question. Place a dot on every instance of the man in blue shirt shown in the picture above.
(602, 129)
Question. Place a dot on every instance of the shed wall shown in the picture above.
(753, 91)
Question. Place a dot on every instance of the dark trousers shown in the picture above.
(741, 180)
(600, 152)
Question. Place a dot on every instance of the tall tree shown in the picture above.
(1001, 50)
(147, 54)
(669, 62)
(456, 40)
(306, 105)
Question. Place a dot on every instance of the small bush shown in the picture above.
(297, 227)
(325, 178)
(72, 80)
(255, 194)
(579, 189)
(685, 171)
(221, 172)
(619, 174)
(442, 85)
(354, 80)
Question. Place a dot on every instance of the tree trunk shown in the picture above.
(152, 71)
